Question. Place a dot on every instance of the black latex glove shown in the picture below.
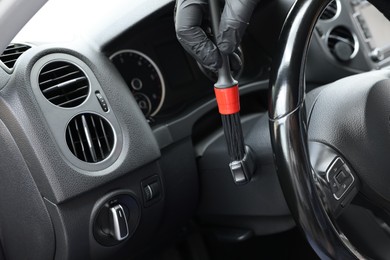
(234, 20)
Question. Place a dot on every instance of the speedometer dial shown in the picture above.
(143, 78)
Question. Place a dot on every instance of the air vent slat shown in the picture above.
(90, 137)
(87, 132)
(12, 53)
(63, 84)
(15, 55)
(44, 73)
(75, 100)
(80, 139)
(104, 134)
(10, 62)
(330, 11)
(341, 39)
(60, 78)
(72, 142)
(74, 93)
(97, 137)
(70, 93)
(11, 49)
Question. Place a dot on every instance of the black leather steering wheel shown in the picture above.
(331, 147)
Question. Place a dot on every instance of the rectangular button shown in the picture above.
(341, 177)
(102, 101)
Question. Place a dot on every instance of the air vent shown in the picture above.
(330, 11)
(63, 84)
(90, 138)
(12, 53)
(342, 43)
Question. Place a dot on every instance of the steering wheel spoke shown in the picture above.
(335, 179)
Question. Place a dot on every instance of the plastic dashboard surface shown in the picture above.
(168, 146)
(187, 91)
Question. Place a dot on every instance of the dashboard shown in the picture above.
(123, 122)
(155, 55)
(165, 80)
(143, 77)
(178, 81)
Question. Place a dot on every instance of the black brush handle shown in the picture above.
(230, 120)
(225, 79)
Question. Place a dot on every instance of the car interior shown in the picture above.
(112, 146)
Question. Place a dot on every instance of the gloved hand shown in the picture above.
(234, 20)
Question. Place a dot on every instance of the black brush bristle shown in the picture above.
(234, 137)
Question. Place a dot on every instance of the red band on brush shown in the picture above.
(228, 100)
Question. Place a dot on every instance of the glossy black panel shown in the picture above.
(299, 188)
(287, 79)
(289, 135)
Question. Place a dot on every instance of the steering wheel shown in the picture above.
(331, 147)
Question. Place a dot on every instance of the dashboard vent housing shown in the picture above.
(63, 84)
(330, 11)
(342, 43)
(12, 53)
(90, 137)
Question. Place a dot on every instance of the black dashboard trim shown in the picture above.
(181, 127)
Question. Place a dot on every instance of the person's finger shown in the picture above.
(234, 20)
(189, 15)
(235, 62)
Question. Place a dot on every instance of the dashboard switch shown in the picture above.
(102, 101)
(116, 218)
(118, 222)
(148, 193)
(151, 190)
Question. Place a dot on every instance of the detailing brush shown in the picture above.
(228, 99)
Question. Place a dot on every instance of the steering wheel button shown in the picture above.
(334, 187)
(334, 169)
(341, 177)
(338, 164)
